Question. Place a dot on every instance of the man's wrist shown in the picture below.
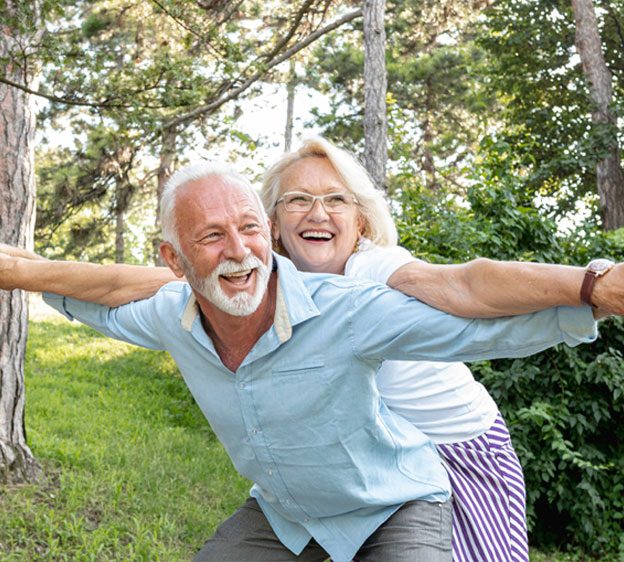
(7, 272)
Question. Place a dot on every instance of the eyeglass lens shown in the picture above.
(304, 201)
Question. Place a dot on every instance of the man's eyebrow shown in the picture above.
(251, 214)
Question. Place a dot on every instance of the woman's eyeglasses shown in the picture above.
(301, 202)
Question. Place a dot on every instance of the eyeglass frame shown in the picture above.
(314, 199)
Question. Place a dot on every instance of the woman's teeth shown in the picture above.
(317, 234)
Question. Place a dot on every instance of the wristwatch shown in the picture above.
(594, 269)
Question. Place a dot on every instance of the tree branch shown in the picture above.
(212, 106)
(302, 11)
(57, 99)
(83, 103)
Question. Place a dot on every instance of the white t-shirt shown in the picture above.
(443, 400)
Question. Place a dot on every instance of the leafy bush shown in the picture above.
(564, 407)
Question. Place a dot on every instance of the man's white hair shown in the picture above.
(191, 173)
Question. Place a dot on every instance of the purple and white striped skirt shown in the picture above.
(489, 498)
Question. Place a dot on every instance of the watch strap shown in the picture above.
(587, 287)
(595, 269)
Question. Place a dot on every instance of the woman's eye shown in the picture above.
(298, 199)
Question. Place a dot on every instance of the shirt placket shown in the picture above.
(254, 428)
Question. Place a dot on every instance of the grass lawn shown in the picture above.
(132, 470)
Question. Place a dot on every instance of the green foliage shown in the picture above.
(133, 471)
(437, 100)
(134, 67)
(564, 407)
(494, 219)
(535, 71)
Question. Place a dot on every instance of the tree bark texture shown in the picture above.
(291, 86)
(17, 204)
(165, 171)
(120, 225)
(375, 88)
(609, 173)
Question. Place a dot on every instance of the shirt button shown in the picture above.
(242, 385)
(306, 520)
(270, 473)
(287, 501)
(254, 431)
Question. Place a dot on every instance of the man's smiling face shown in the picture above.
(224, 239)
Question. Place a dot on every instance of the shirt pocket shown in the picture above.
(309, 369)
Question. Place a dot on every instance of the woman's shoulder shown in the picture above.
(376, 263)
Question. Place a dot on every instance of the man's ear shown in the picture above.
(170, 257)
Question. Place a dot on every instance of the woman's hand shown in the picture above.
(608, 291)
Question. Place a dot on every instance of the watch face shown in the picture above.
(600, 265)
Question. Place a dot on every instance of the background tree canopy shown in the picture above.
(494, 147)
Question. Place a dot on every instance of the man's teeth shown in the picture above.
(238, 273)
(317, 234)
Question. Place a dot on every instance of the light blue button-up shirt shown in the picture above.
(301, 417)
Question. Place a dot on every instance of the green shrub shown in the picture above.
(564, 407)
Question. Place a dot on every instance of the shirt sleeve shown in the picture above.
(386, 324)
(134, 323)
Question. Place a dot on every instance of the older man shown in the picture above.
(282, 364)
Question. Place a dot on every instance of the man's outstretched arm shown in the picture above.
(111, 285)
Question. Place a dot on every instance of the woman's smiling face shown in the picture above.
(316, 240)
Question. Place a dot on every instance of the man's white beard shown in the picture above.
(241, 304)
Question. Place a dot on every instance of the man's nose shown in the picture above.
(235, 247)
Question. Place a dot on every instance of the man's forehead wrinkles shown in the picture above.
(226, 220)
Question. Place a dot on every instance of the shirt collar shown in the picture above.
(290, 288)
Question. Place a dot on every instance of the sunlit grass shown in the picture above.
(132, 469)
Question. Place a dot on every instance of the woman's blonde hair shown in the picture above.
(378, 225)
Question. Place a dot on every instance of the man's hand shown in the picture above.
(7, 263)
(609, 291)
(16, 252)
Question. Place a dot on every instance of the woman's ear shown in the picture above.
(275, 233)
(361, 223)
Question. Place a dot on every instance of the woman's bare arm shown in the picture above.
(485, 288)
(111, 285)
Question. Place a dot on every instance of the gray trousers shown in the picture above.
(418, 532)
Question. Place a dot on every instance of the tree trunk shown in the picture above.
(609, 173)
(428, 138)
(120, 243)
(17, 194)
(375, 87)
(291, 85)
(165, 171)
